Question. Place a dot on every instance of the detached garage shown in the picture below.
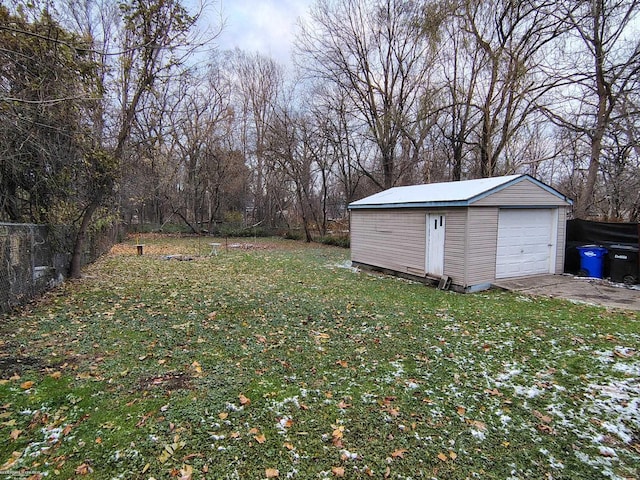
(471, 232)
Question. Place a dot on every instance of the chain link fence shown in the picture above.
(35, 258)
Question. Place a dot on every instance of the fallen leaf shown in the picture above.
(461, 410)
(443, 457)
(453, 455)
(542, 417)
(84, 469)
(546, 429)
(260, 439)
(244, 400)
(223, 415)
(272, 473)
(399, 453)
(368, 471)
(11, 462)
(55, 375)
(495, 392)
(15, 434)
(343, 404)
(234, 434)
(186, 472)
(99, 441)
(27, 385)
(144, 419)
(289, 446)
(342, 363)
(477, 424)
(253, 431)
(67, 430)
(338, 471)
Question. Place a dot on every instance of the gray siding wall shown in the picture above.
(393, 239)
(482, 223)
(524, 193)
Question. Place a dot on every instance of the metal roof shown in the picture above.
(446, 194)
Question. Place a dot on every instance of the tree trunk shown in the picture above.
(78, 246)
(605, 104)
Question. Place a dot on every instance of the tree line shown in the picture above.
(128, 109)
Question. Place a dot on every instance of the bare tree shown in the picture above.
(509, 43)
(378, 55)
(603, 62)
(259, 82)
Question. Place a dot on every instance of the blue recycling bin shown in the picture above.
(592, 260)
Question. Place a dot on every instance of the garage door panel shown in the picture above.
(525, 243)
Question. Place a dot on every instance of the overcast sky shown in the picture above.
(266, 26)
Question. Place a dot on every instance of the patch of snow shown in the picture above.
(347, 265)
(529, 392)
(607, 452)
(346, 454)
(509, 374)
(504, 419)
(232, 407)
(632, 369)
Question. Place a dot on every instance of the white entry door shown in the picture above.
(526, 242)
(435, 244)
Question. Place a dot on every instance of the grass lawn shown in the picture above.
(273, 360)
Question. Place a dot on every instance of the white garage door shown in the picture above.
(526, 242)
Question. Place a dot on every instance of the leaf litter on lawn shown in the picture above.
(268, 360)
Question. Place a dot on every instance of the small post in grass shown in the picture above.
(139, 246)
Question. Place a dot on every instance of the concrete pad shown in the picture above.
(592, 291)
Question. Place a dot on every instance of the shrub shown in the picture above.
(341, 241)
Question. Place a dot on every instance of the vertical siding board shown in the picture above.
(481, 247)
(455, 244)
(562, 239)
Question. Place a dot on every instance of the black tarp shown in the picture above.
(584, 232)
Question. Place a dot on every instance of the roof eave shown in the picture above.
(458, 203)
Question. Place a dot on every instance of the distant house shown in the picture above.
(470, 232)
